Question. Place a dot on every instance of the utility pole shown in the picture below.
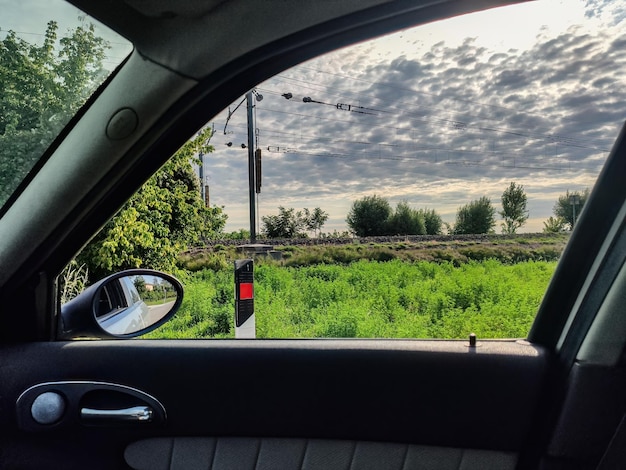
(251, 174)
(201, 176)
(574, 200)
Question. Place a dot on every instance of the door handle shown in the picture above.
(133, 414)
(85, 403)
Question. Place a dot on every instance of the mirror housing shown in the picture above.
(124, 305)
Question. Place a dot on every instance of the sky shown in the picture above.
(437, 116)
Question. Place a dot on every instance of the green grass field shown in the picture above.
(369, 299)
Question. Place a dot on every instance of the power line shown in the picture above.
(371, 159)
(563, 141)
(316, 87)
(415, 149)
(461, 100)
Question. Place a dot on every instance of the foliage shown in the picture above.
(554, 225)
(72, 281)
(39, 92)
(369, 299)
(203, 260)
(506, 249)
(241, 234)
(368, 216)
(160, 220)
(514, 213)
(207, 309)
(334, 234)
(563, 209)
(406, 221)
(476, 217)
(290, 223)
(315, 220)
(373, 216)
(432, 221)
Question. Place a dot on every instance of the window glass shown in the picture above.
(421, 185)
(52, 58)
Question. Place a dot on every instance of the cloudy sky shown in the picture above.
(437, 116)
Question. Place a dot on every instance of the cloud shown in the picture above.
(609, 11)
(435, 125)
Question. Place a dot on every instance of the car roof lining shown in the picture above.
(195, 47)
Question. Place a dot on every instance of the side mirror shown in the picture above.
(124, 305)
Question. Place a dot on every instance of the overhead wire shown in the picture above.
(411, 90)
(564, 142)
(443, 162)
(412, 147)
(516, 112)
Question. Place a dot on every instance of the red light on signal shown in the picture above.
(246, 291)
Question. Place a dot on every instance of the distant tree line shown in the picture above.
(289, 223)
(373, 216)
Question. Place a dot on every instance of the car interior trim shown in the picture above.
(248, 453)
(606, 339)
(589, 236)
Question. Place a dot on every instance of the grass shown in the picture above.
(507, 249)
(339, 293)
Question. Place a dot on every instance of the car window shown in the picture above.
(52, 58)
(111, 299)
(421, 185)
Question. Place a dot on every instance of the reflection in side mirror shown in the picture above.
(126, 304)
(132, 303)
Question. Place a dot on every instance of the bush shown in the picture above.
(432, 221)
(368, 216)
(476, 217)
(406, 221)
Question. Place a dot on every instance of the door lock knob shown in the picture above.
(48, 408)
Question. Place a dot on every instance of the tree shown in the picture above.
(432, 221)
(39, 92)
(140, 285)
(315, 220)
(165, 216)
(289, 223)
(565, 210)
(513, 211)
(554, 225)
(368, 216)
(406, 221)
(476, 217)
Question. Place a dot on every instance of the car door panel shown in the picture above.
(305, 454)
(430, 393)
